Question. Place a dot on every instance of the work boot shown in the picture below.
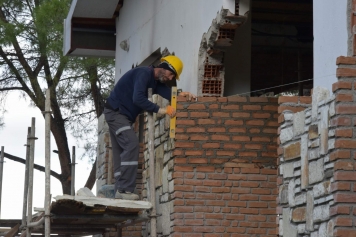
(126, 195)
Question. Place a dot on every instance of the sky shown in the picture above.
(13, 137)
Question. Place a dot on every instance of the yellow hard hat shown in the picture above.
(175, 63)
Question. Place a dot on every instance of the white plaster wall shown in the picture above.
(330, 39)
(177, 25)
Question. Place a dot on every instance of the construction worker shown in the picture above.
(126, 101)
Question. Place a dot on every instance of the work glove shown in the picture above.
(168, 110)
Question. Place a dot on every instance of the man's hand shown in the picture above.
(168, 110)
(188, 95)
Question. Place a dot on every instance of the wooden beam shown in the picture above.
(14, 230)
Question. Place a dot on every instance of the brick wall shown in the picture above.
(317, 169)
(218, 178)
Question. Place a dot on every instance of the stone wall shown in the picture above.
(218, 177)
(316, 155)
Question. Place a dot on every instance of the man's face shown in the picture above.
(165, 76)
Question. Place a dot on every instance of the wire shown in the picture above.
(282, 85)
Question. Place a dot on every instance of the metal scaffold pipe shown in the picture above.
(30, 174)
(25, 190)
(1, 172)
(72, 181)
(151, 139)
(47, 163)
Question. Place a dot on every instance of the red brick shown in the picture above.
(222, 99)
(182, 228)
(195, 130)
(249, 184)
(193, 182)
(184, 144)
(343, 132)
(207, 99)
(185, 122)
(221, 114)
(213, 216)
(343, 165)
(261, 115)
(225, 153)
(198, 161)
(237, 177)
(255, 122)
(183, 168)
(259, 99)
(345, 232)
(345, 109)
(341, 85)
(216, 202)
(344, 98)
(342, 143)
(340, 121)
(199, 138)
(247, 153)
(253, 146)
(230, 107)
(345, 197)
(340, 186)
(237, 130)
(211, 145)
(305, 99)
(288, 99)
(217, 129)
(182, 114)
(182, 137)
(199, 114)
(236, 99)
(249, 211)
(248, 197)
(271, 107)
(261, 139)
(205, 169)
(214, 106)
(235, 217)
(261, 191)
(345, 72)
(220, 138)
(343, 221)
(241, 138)
(345, 176)
(206, 121)
(340, 154)
(345, 60)
(212, 183)
(272, 123)
(182, 209)
(251, 107)
(339, 210)
(270, 130)
(194, 223)
(254, 130)
(241, 115)
(178, 160)
(194, 152)
(234, 122)
(196, 106)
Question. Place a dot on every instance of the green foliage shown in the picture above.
(31, 60)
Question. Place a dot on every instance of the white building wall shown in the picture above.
(330, 39)
(144, 25)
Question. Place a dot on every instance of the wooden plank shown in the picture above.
(14, 230)
(172, 127)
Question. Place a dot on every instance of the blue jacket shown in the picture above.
(130, 94)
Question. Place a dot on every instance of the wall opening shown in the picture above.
(281, 46)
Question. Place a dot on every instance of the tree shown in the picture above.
(32, 61)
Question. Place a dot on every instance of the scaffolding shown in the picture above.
(78, 215)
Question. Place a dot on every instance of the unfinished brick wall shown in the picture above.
(317, 168)
(218, 178)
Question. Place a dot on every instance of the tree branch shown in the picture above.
(91, 178)
(37, 167)
(11, 88)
